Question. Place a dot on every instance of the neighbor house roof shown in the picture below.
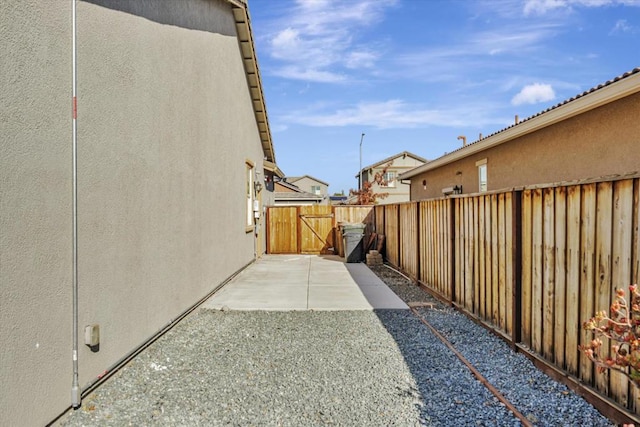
(395, 156)
(289, 185)
(297, 196)
(298, 178)
(296, 193)
(250, 60)
(612, 90)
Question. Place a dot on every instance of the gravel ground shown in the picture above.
(350, 368)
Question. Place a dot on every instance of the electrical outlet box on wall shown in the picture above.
(92, 335)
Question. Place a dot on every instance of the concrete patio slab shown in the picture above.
(305, 282)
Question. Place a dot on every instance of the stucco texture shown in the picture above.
(165, 125)
(601, 142)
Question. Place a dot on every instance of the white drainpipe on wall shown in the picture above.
(75, 387)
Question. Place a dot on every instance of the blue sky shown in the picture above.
(415, 74)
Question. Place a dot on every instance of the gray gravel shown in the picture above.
(350, 368)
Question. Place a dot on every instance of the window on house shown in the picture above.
(482, 175)
(315, 189)
(390, 178)
(249, 194)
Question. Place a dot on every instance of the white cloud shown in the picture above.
(319, 38)
(533, 94)
(361, 59)
(393, 114)
(306, 74)
(476, 53)
(623, 26)
(541, 7)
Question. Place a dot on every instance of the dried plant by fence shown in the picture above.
(366, 195)
(623, 329)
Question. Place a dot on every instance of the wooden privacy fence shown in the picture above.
(532, 264)
(312, 229)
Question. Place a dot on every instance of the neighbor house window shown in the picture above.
(390, 178)
(482, 175)
(315, 189)
(249, 194)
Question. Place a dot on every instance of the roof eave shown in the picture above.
(590, 101)
(250, 62)
(272, 167)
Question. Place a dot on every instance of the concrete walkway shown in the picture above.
(305, 282)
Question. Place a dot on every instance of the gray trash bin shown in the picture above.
(352, 235)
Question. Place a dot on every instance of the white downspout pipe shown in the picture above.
(75, 387)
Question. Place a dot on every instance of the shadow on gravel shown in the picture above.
(446, 392)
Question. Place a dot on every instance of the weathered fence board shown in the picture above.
(621, 263)
(604, 197)
(502, 249)
(471, 256)
(435, 257)
(536, 272)
(510, 245)
(560, 275)
(457, 254)
(379, 220)
(391, 217)
(526, 267)
(481, 257)
(587, 280)
(495, 259)
(572, 315)
(548, 272)
(408, 242)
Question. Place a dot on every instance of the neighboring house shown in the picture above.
(592, 135)
(397, 190)
(310, 185)
(172, 139)
(288, 194)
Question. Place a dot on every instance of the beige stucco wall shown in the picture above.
(604, 141)
(165, 126)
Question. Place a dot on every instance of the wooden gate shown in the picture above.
(300, 230)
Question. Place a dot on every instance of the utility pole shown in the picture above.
(360, 181)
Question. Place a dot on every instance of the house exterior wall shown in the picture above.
(165, 126)
(603, 141)
(305, 184)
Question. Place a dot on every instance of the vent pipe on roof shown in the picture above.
(480, 136)
(517, 119)
(464, 140)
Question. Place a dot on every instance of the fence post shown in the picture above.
(516, 251)
(298, 231)
(418, 247)
(452, 249)
(267, 226)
